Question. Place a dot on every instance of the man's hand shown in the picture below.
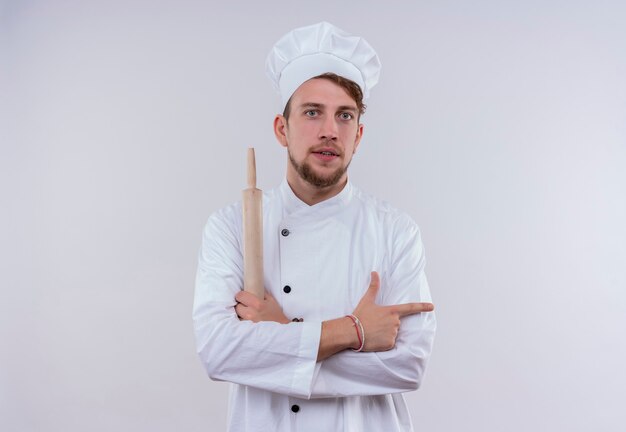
(250, 307)
(381, 323)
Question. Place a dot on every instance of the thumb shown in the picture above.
(372, 291)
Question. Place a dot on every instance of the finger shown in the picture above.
(372, 291)
(246, 298)
(412, 308)
(240, 310)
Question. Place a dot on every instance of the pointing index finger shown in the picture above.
(412, 308)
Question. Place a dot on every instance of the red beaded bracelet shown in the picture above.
(360, 334)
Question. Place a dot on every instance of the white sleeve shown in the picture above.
(401, 369)
(275, 357)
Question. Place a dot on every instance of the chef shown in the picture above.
(346, 324)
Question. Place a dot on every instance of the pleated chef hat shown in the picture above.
(310, 51)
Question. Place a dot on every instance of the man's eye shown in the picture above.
(310, 113)
(346, 116)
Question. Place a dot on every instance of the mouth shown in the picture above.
(326, 155)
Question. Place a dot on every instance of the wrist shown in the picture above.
(358, 330)
(337, 335)
(350, 334)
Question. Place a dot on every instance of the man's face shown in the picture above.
(322, 133)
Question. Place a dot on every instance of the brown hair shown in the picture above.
(352, 88)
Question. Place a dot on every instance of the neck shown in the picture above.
(310, 194)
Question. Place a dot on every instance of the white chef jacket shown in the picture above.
(317, 264)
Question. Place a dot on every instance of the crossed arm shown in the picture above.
(260, 350)
(380, 323)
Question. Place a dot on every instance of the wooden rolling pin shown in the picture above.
(253, 233)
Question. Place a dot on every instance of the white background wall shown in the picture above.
(500, 126)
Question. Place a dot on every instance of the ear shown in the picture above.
(280, 129)
(359, 135)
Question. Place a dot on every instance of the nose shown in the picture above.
(328, 129)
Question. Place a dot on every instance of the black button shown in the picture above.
(295, 408)
(295, 320)
(285, 232)
(287, 289)
(301, 319)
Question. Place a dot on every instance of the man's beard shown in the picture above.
(307, 174)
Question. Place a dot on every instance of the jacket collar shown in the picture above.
(292, 204)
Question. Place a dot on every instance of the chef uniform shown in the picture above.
(317, 264)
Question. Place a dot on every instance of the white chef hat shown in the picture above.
(310, 51)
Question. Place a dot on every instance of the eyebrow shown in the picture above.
(318, 105)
